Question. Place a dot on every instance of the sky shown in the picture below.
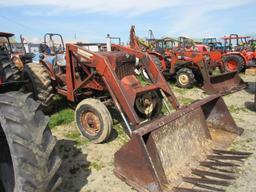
(92, 20)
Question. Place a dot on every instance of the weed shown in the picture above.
(122, 136)
(77, 137)
(96, 166)
(63, 117)
(236, 109)
(186, 101)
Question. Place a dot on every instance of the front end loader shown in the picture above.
(163, 148)
(189, 66)
(183, 151)
(223, 83)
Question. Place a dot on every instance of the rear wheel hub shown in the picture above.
(90, 123)
(183, 79)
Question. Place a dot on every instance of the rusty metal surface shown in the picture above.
(182, 151)
(224, 83)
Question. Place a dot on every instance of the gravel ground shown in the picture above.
(89, 167)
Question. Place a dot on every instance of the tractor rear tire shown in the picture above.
(10, 70)
(233, 63)
(40, 83)
(185, 78)
(93, 120)
(28, 160)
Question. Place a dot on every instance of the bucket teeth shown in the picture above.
(218, 164)
(206, 181)
(219, 169)
(218, 172)
(226, 157)
(202, 173)
(231, 152)
(208, 187)
(181, 189)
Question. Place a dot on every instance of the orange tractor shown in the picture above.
(189, 66)
(238, 54)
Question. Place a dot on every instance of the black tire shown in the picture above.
(28, 160)
(9, 69)
(185, 78)
(40, 83)
(157, 107)
(93, 108)
(233, 63)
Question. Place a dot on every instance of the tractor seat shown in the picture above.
(28, 56)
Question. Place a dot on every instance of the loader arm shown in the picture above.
(153, 71)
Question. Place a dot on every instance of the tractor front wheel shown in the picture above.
(148, 105)
(93, 120)
(185, 78)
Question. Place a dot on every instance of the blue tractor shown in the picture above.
(213, 43)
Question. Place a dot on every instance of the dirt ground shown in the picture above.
(89, 167)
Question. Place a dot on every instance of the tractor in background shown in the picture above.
(213, 44)
(189, 65)
(28, 160)
(17, 51)
(238, 54)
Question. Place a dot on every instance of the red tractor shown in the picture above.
(95, 80)
(104, 78)
(189, 65)
(28, 160)
(238, 54)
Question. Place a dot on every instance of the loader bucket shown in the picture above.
(224, 83)
(162, 153)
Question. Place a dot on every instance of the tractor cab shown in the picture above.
(213, 43)
(53, 44)
(190, 45)
(15, 50)
(166, 43)
(52, 52)
(234, 42)
(5, 42)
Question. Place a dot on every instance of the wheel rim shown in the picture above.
(183, 79)
(91, 123)
(145, 103)
(232, 65)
